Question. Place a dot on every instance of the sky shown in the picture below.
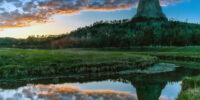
(23, 18)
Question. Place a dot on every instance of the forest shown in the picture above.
(118, 33)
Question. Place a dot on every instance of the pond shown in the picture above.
(165, 86)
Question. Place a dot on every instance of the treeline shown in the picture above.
(127, 33)
(39, 42)
(121, 33)
(8, 42)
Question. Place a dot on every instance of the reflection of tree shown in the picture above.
(148, 90)
(148, 86)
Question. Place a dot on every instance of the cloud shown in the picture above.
(23, 13)
(62, 92)
(168, 2)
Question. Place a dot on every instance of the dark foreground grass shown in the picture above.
(190, 89)
(190, 94)
(20, 63)
(191, 82)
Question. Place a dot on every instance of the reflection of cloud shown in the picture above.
(21, 13)
(52, 92)
(164, 98)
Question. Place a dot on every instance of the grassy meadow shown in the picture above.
(189, 56)
(33, 62)
(20, 63)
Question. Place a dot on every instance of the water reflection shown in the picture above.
(149, 90)
(70, 91)
(100, 87)
(52, 92)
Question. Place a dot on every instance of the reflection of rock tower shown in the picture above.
(148, 90)
(149, 9)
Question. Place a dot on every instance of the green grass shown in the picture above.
(167, 49)
(187, 53)
(153, 49)
(179, 56)
(187, 56)
(183, 56)
(190, 89)
(31, 63)
(20, 63)
(191, 82)
(191, 94)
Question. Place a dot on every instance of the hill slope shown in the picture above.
(121, 33)
(125, 33)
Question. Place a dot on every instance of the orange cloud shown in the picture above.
(26, 13)
(52, 92)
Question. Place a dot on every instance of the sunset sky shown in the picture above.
(22, 18)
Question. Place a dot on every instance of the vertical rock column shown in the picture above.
(149, 9)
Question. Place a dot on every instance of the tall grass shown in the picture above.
(190, 89)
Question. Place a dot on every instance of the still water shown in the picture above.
(165, 86)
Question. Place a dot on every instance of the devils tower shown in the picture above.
(149, 9)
